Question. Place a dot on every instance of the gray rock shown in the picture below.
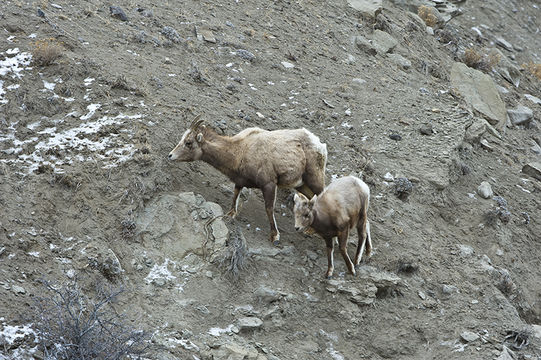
(480, 93)
(367, 7)
(18, 289)
(400, 61)
(469, 336)
(287, 65)
(402, 188)
(506, 354)
(245, 55)
(365, 45)
(535, 147)
(533, 169)
(533, 99)
(465, 250)
(536, 331)
(175, 225)
(117, 12)
(249, 323)
(204, 34)
(485, 190)
(383, 42)
(449, 289)
(475, 131)
(231, 351)
(521, 115)
(504, 44)
(264, 294)
(171, 34)
(358, 82)
(506, 68)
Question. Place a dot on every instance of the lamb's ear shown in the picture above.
(296, 198)
(313, 200)
(199, 137)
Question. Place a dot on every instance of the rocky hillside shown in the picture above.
(436, 103)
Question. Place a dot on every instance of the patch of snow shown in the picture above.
(14, 65)
(88, 81)
(11, 333)
(91, 111)
(49, 85)
(218, 331)
(160, 272)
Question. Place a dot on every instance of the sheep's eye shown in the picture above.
(306, 216)
(188, 144)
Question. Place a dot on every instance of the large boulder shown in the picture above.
(178, 224)
(367, 7)
(479, 91)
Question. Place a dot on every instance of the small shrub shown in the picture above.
(46, 51)
(71, 325)
(427, 14)
(483, 62)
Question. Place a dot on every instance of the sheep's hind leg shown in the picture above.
(234, 209)
(343, 242)
(269, 195)
(364, 245)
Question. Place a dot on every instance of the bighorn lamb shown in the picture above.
(341, 206)
(257, 158)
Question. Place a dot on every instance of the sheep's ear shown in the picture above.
(199, 137)
(313, 200)
(296, 198)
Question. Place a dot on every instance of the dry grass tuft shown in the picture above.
(427, 14)
(46, 51)
(483, 62)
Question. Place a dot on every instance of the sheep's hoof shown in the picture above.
(276, 242)
(328, 277)
(232, 213)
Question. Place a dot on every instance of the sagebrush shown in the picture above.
(71, 325)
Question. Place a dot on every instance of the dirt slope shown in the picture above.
(83, 145)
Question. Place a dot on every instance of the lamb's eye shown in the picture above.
(188, 144)
(306, 216)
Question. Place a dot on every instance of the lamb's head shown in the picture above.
(304, 216)
(189, 147)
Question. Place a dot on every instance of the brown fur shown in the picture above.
(342, 206)
(257, 158)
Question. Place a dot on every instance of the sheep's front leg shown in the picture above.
(234, 209)
(343, 242)
(269, 194)
(330, 262)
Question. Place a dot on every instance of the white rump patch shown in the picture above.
(363, 186)
(320, 147)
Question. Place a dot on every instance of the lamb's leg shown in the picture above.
(363, 239)
(343, 242)
(330, 262)
(234, 209)
(269, 194)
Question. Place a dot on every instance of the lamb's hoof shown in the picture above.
(328, 277)
(276, 242)
(231, 213)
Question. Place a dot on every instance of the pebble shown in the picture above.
(245, 55)
(287, 65)
(266, 295)
(18, 289)
(465, 250)
(521, 115)
(117, 12)
(469, 336)
(249, 323)
(504, 43)
(533, 99)
(449, 289)
(485, 190)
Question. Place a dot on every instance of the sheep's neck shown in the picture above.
(219, 151)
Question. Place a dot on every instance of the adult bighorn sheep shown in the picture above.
(341, 206)
(257, 158)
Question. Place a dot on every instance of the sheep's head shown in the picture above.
(304, 216)
(189, 147)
